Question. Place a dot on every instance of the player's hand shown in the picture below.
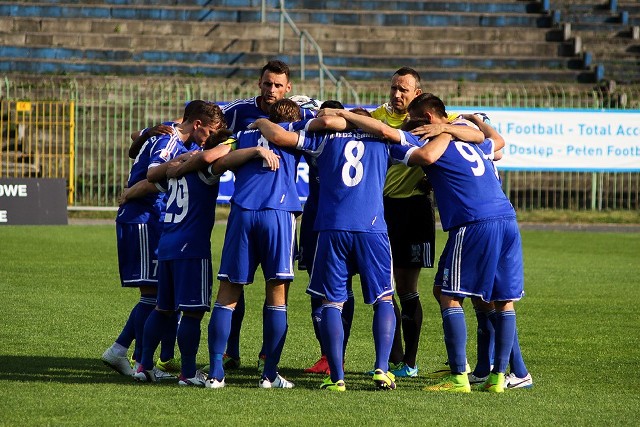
(429, 131)
(476, 118)
(122, 199)
(256, 124)
(328, 112)
(270, 159)
(160, 130)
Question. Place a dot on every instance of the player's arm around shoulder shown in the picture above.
(140, 137)
(275, 133)
(217, 146)
(430, 152)
(325, 122)
(487, 130)
(371, 125)
(237, 158)
(460, 131)
(138, 190)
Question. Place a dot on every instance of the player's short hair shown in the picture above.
(285, 110)
(361, 111)
(426, 102)
(206, 112)
(411, 124)
(217, 138)
(277, 67)
(332, 103)
(405, 71)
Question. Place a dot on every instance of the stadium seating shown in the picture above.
(476, 40)
(608, 34)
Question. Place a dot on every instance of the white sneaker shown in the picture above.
(162, 375)
(120, 364)
(151, 376)
(279, 382)
(476, 380)
(214, 383)
(197, 381)
(144, 376)
(511, 381)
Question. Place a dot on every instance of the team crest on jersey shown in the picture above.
(165, 155)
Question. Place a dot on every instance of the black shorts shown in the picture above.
(412, 231)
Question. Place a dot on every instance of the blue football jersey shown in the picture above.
(256, 186)
(240, 113)
(352, 168)
(189, 217)
(465, 184)
(156, 150)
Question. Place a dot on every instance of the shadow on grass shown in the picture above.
(71, 370)
(67, 370)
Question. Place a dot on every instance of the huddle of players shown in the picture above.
(351, 167)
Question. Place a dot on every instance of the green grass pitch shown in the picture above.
(579, 327)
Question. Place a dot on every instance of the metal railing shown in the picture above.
(305, 37)
(104, 112)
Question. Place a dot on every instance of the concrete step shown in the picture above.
(139, 43)
(184, 13)
(477, 6)
(592, 18)
(417, 18)
(331, 60)
(13, 24)
(208, 37)
(217, 13)
(244, 70)
(156, 3)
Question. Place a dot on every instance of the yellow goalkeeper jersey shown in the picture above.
(402, 181)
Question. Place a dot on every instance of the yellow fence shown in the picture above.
(37, 140)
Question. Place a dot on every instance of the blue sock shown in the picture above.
(455, 338)
(505, 332)
(155, 326)
(144, 308)
(347, 319)
(485, 341)
(333, 338)
(219, 327)
(233, 343)
(128, 333)
(515, 359)
(492, 318)
(384, 326)
(316, 319)
(275, 333)
(188, 343)
(168, 342)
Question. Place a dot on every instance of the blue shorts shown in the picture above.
(138, 253)
(185, 284)
(265, 237)
(341, 254)
(483, 260)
